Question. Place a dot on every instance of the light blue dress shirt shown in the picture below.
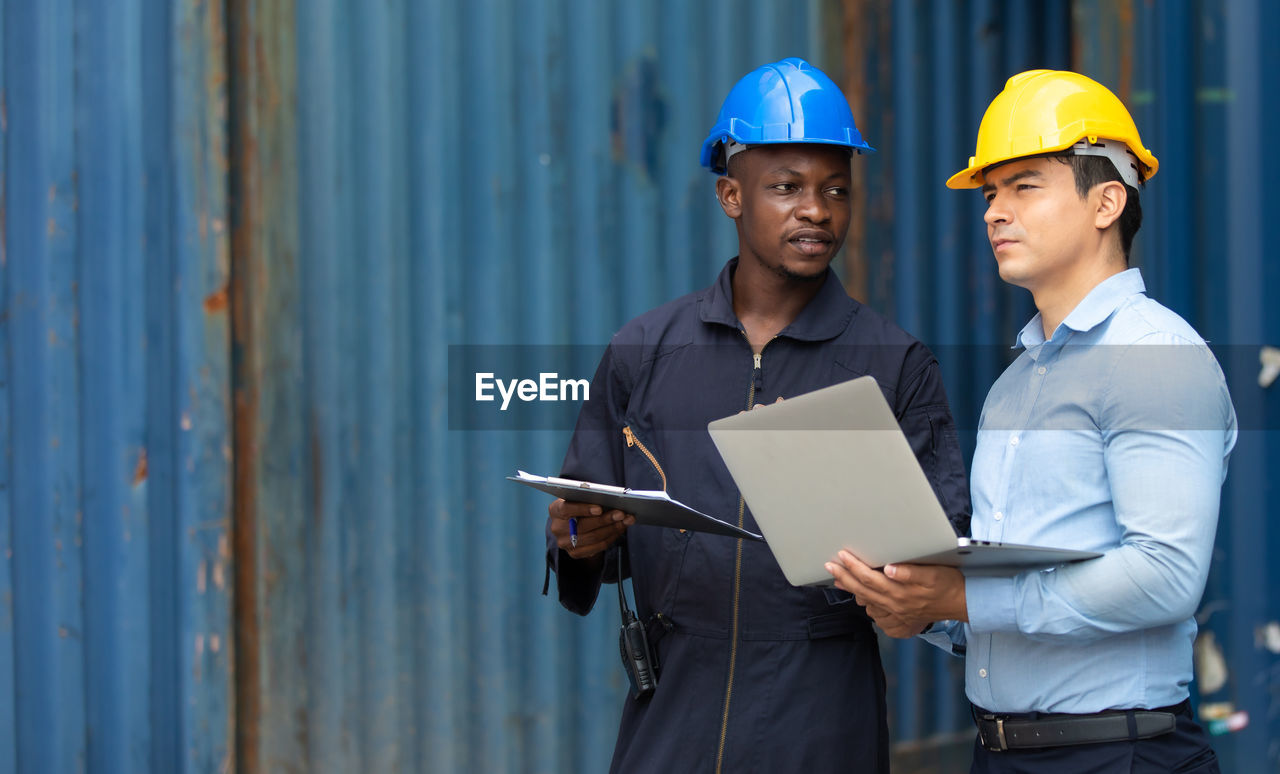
(1112, 436)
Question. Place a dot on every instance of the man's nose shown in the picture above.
(813, 208)
(996, 212)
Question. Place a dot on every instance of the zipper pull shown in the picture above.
(631, 439)
(757, 357)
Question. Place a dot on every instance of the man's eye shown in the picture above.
(1025, 186)
(785, 187)
(838, 191)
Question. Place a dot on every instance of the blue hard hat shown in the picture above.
(784, 102)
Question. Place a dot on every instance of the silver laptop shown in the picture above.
(832, 469)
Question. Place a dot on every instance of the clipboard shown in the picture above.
(650, 506)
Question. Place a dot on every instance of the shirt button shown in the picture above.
(1013, 441)
(998, 515)
(1041, 370)
(982, 673)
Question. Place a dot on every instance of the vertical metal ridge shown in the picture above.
(436, 279)
(269, 448)
(113, 416)
(8, 600)
(1246, 139)
(202, 378)
(46, 473)
(247, 604)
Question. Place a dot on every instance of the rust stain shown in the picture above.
(855, 35)
(216, 301)
(219, 576)
(185, 422)
(51, 227)
(140, 470)
(215, 643)
(53, 193)
(201, 574)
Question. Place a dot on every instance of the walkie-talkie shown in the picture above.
(633, 642)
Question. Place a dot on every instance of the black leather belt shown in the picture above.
(1023, 732)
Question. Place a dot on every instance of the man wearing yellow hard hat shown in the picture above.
(1109, 433)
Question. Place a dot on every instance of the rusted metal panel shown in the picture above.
(114, 624)
(467, 174)
(929, 68)
(47, 683)
(1197, 76)
(271, 450)
(414, 176)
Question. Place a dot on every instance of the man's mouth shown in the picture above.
(811, 242)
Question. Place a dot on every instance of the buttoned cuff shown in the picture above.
(990, 604)
(942, 635)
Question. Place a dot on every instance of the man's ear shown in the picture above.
(729, 192)
(1112, 198)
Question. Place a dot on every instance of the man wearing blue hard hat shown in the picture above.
(753, 674)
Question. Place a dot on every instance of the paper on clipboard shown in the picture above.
(652, 507)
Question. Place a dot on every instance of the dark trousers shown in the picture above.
(1185, 749)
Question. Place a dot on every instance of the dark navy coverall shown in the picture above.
(755, 673)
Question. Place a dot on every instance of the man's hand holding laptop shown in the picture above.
(903, 599)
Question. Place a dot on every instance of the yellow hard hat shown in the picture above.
(1046, 111)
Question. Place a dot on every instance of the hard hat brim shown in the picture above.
(1046, 112)
(973, 176)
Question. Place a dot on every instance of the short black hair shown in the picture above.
(1093, 170)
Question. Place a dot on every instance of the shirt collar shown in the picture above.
(824, 317)
(1101, 302)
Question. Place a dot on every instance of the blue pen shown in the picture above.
(573, 532)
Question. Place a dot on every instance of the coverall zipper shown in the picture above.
(737, 572)
(633, 441)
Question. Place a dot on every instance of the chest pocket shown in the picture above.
(634, 444)
(659, 555)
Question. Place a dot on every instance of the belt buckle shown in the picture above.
(999, 744)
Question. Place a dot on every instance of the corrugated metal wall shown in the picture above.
(927, 261)
(467, 174)
(1195, 75)
(267, 227)
(115, 593)
(1202, 78)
